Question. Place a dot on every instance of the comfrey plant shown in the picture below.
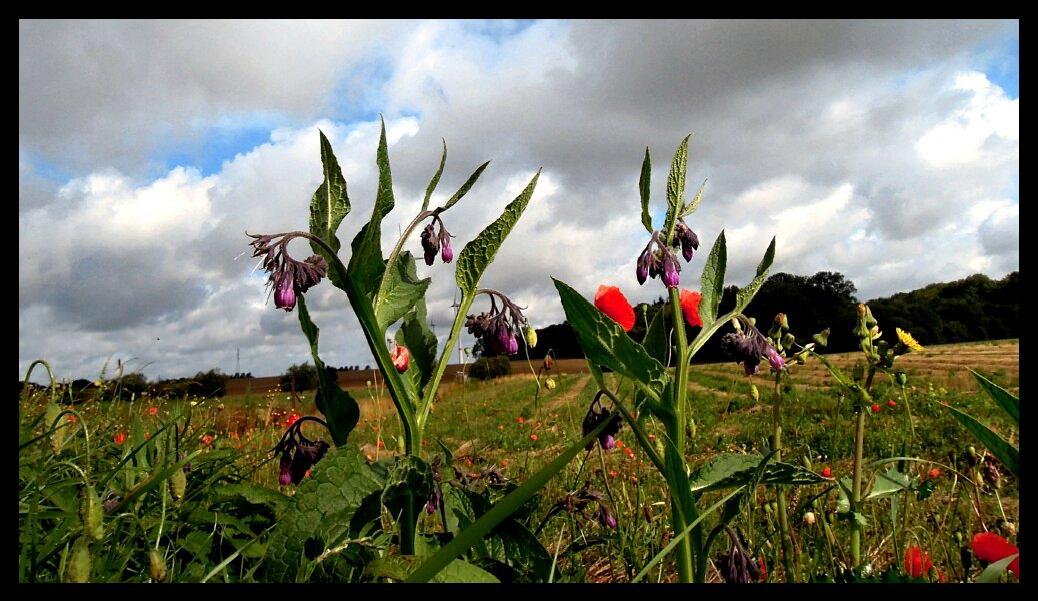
(602, 327)
(385, 292)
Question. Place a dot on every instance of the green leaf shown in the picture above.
(420, 341)
(1003, 397)
(694, 203)
(366, 264)
(252, 493)
(463, 190)
(734, 469)
(712, 281)
(676, 187)
(605, 343)
(436, 178)
(401, 289)
(643, 189)
(746, 294)
(399, 567)
(337, 405)
(994, 571)
(501, 511)
(479, 253)
(999, 447)
(843, 490)
(410, 483)
(327, 507)
(330, 203)
(889, 483)
(655, 342)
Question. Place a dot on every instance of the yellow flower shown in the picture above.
(907, 340)
(550, 383)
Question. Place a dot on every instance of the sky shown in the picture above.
(885, 150)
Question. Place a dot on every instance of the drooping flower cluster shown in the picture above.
(437, 242)
(577, 503)
(288, 277)
(497, 327)
(737, 565)
(596, 414)
(663, 261)
(748, 346)
(298, 453)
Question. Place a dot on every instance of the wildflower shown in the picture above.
(291, 419)
(533, 437)
(120, 438)
(809, 518)
(298, 453)
(501, 427)
(504, 463)
(662, 261)
(875, 408)
(288, 276)
(687, 238)
(614, 304)
(690, 307)
(917, 562)
(737, 565)
(497, 328)
(990, 547)
(400, 358)
(774, 358)
(520, 419)
(605, 517)
(206, 440)
(614, 473)
(907, 340)
(934, 473)
(531, 337)
(595, 415)
(548, 363)
(550, 383)
(827, 472)
(747, 347)
(70, 418)
(891, 403)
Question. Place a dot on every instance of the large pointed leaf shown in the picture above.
(999, 447)
(676, 186)
(330, 203)
(337, 405)
(655, 341)
(334, 503)
(479, 253)
(436, 178)
(1003, 397)
(746, 293)
(995, 569)
(401, 289)
(399, 567)
(888, 483)
(735, 469)
(712, 280)
(366, 264)
(463, 190)
(604, 342)
(643, 189)
(415, 334)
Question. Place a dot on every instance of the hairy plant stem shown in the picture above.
(788, 559)
(677, 435)
(859, 448)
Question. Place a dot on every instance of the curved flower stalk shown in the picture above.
(384, 292)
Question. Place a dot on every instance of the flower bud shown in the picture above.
(901, 378)
(285, 294)
(774, 358)
(782, 321)
(754, 393)
(642, 269)
(671, 269)
(550, 383)
(79, 560)
(446, 253)
(157, 566)
(531, 337)
(430, 244)
(401, 358)
(809, 518)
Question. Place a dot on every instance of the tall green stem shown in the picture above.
(677, 435)
(859, 448)
(787, 537)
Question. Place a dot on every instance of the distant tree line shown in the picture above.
(967, 310)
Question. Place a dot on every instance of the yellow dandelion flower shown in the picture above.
(907, 340)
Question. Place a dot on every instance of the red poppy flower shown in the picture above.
(533, 437)
(120, 438)
(70, 418)
(400, 358)
(989, 547)
(207, 440)
(152, 411)
(690, 307)
(917, 562)
(613, 303)
(935, 474)
(875, 408)
(521, 420)
(891, 403)
(827, 472)
(292, 417)
(763, 568)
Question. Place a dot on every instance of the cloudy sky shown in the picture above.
(888, 151)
